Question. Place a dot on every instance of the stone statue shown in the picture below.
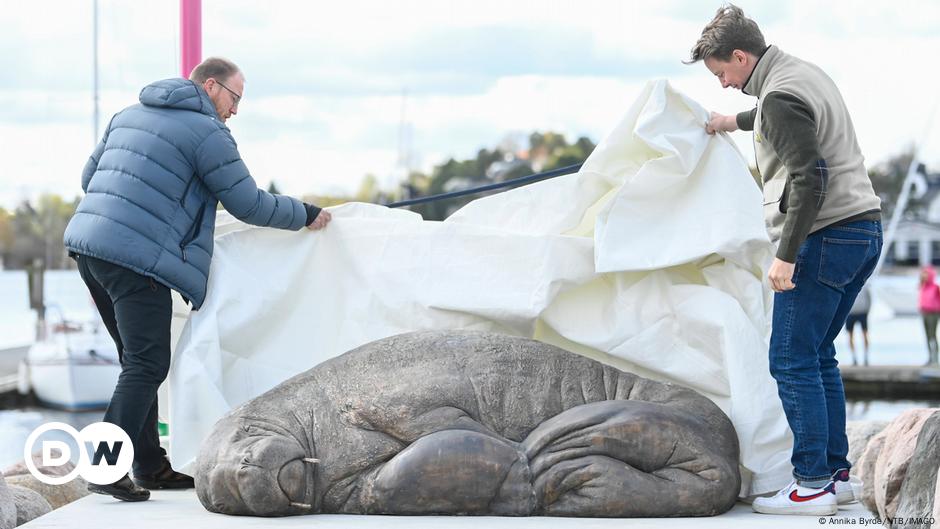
(471, 423)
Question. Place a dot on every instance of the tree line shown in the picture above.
(33, 232)
(543, 151)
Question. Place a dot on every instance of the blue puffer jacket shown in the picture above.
(153, 183)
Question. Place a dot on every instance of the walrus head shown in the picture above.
(253, 466)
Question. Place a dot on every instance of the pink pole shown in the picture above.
(190, 35)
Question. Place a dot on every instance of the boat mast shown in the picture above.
(94, 54)
(916, 171)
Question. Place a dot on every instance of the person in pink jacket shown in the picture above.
(930, 310)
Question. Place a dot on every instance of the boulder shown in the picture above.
(18, 469)
(29, 504)
(56, 495)
(859, 433)
(935, 514)
(886, 460)
(7, 507)
(917, 494)
(865, 470)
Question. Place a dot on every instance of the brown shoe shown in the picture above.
(164, 478)
(123, 489)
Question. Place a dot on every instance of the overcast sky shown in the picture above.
(324, 98)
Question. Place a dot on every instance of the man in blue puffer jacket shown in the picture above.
(146, 225)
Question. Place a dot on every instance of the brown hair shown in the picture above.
(730, 30)
(215, 67)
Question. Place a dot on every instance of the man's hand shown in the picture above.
(323, 218)
(721, 123)
(781, 275)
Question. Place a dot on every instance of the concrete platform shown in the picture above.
(181, 510)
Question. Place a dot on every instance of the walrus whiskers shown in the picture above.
(301, 505)
(311, 460)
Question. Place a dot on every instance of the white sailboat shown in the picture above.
(73, 367)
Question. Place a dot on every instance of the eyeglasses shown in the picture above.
(235, 94)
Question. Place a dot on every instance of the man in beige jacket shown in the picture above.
(824, 217)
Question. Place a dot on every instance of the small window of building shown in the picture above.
(935, 252)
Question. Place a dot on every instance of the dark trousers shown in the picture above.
(136, 310)
(930, 327)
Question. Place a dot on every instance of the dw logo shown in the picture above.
(105, 453)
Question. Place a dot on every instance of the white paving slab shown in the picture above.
(181, 510)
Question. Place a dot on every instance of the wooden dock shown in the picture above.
(891, 382)
(10, 359)
(9, 363)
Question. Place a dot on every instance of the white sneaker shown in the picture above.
(794, 499)
(848, 488)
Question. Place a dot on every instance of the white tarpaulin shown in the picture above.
(651, 259)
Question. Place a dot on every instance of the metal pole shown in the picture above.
(35, 276)
(561, 171)
(404, 146)
(901, 204)
(899, 208)
(95, 69)
(190, 35)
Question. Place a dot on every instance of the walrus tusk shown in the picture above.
(301, 505)
(311, 460)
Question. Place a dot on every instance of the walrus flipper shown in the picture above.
(628, 458)
(451, 472)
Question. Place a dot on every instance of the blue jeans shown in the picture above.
(831, 267)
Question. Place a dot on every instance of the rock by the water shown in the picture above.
(18, 469)
(7, 507)
(56, 495)
(935, 514)
(917, 495)
(458, 422)
(859, 433)
(865, 469)
(29, 504)
(886, 461)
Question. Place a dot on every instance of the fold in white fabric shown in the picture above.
(651, 259)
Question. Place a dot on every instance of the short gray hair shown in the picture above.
(215, 67)
(730, 30)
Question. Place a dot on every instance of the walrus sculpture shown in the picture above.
(470, 423)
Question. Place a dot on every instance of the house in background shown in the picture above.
(917, 239)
